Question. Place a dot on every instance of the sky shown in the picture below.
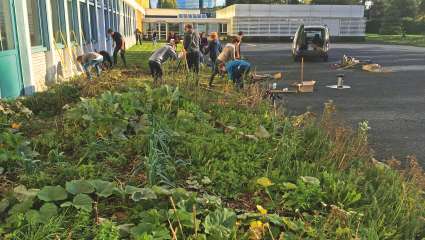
(154, 3)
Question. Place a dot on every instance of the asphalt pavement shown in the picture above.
(393, 103)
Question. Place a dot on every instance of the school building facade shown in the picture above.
(165, 21)
(41, 39)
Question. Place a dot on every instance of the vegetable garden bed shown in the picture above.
(118, 159)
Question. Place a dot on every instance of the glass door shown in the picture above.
(10, 69)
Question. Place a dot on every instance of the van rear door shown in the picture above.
(297, 38)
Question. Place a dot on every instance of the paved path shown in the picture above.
(393, 103)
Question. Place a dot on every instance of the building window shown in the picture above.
(58, 21)
(106, 13)
(93, 22)
(116, 16)
(73, 20)
(124, 20)
(223, 28)
(6, 32)
(36, 21)
(84, 23)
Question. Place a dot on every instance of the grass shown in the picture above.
(411, 40)
(229, 166)
(138, 55)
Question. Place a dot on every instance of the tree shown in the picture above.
(167, 4)
(336, 2)
(231, 2)
(376, 11)
(421, 7)
(394, 13)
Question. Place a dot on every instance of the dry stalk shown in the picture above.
(177, 216)
(195, 226)
(270, 231)
(96, 212)
(173, 231)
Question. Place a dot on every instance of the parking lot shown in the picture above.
(393, 103)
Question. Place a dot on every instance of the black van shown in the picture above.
(311, 41)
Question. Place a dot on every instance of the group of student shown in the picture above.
(223, 59)
(99, 59)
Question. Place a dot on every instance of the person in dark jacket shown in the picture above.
(119, 46)
(191, 46)
(159, 57)
(138, 35)
(169, 37)
(107, 60)
(214, 49)
(203, 47)
(176, 38)
(154, 38)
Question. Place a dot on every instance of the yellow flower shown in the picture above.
(256, 225)
(256, 230)
(264, 181)
(261, 210)
(16, 125)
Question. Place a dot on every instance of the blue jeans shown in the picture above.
(93, 63)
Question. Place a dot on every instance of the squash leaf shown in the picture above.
(52, 193)
(83, 202)
(79, 186)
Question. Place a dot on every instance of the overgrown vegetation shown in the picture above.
(118, 159)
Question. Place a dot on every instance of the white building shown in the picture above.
(164, 21)
(258, 21)
(40, 39)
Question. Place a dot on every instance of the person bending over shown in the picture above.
(91, 59)
(107, 60)
(119, 46)
(237, 70)
(228, 54)
(158, 58)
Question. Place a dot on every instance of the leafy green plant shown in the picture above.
(103, 156)
(220, 224)
(107, 230)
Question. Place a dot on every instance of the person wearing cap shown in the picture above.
(228, 54)
(91, 59)
(161, 55)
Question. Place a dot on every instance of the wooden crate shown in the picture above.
(305, 87)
